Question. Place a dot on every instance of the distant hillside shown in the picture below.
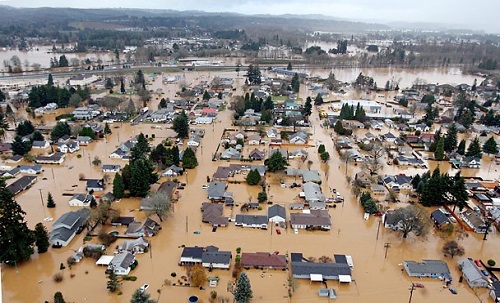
(56, 17)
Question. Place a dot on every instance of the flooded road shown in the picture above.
(377, 279)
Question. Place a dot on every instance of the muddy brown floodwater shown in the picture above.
(376, 278)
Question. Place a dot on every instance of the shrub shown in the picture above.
(129, 278)
(238, 250)
(491, 262)
(173, 275)
(58, 277)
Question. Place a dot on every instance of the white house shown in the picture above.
(67, 226)
(121, 263)
(194, 140)
(254, 140)
(80, 200)
(30, 169)
(68, 147)
(111, 168)
(254, 221)
(276, 214)
(40, 144)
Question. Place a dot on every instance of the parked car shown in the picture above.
(278, 231)
(478, 263)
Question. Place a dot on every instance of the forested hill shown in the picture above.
(56, 17)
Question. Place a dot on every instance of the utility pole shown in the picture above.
(412, 288)
(378, 227)
(387, 245)
(488, 224)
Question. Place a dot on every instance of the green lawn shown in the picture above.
(279, 98)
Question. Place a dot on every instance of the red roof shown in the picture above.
(263, 259)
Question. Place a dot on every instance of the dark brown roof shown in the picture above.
(263, 259)
(167, 187)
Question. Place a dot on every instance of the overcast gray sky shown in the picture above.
(481, 14)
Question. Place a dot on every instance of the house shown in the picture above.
(495, 291)
(40, 144)
(215, 259)
(12, 173)
(472, 274)
(21, 184)
(55, 158)
(276, 214)
(173, 171)
(231, 154)
(263, 260)
(363, 179)
(108, 197)
(30, 169)
(256, 155)
(377, 189)
(344, 259)
(191, 256)
(212, 214)
(319, 272)
(272, 133)
(254, 140)
(299, 137)
(474, 220)
(298, 153)
(254, 221)
(439, 218)
(168, 188)
(85, 113)
(67, 226)
(216, 190)
(471, 162)
(83, 140)
(204, 120)
(296, 205)
(121, 264)
(137, 246)
(80, 200)
(95, 185)
(389, 137)
(68, 147)
(194, 140)
(427, 269)
(82, 80)
(223, 173)
(209, 257)
(14, 159)
(397, 182)
(312, 192)
(111, 168)
(148, 228)
(122, 221)
(311, 220)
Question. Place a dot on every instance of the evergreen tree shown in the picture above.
(50, 201)
(490, 146)
(122, 86)
(439, 153)
(19, 147)
(126, 176)
(268, 104)
(308, 107)
(118, 186)
(107, 129)
(458, 192)
(325, 156)
(181, 125)
(450, 140)
(461, 147)
(141, 149)
(163, 103)
(289, 66)
(140, 177)
(50, 81)
(318, 100)
(16, 239)
(139, 79)
(175, 155)
(25, 128)
(253, 177)
(321, 149)
(93, 202)
(243, 292)
(60, 130)
(189, 159)
(276, 162)
(141, 297)
(206, 96)
(41, 238)
(295, 83)
(113, 284)
(474, 149)
(58, 298)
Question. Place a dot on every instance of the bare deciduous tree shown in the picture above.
(451, 249)
(157, 204)
(413, 219)
(374, 162)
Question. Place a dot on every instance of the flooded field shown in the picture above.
(377, 278)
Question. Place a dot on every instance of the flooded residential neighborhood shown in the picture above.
(167, 157)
